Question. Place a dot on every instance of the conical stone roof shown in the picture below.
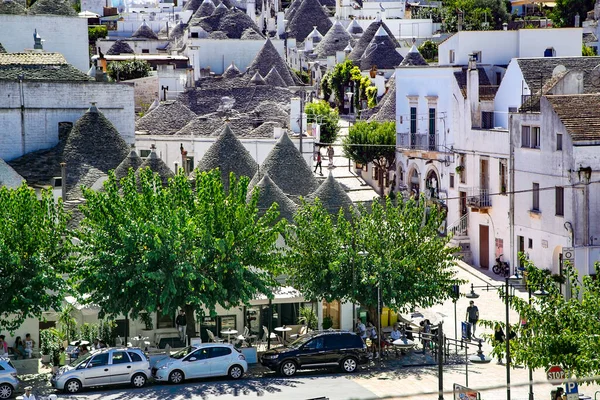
(232, 71)
(166, 119)
(11, 7)
(234, 22)
(288, 169)
(251, 34)
(271, 193)
(315, 36)
(380, 52)
(354, 28)
(333, 197)
(309, 13)
(119, 47)
(291, 10)
(92, 143)
(365, 39)
(53, 7)
(274, 79)
(257, 79)
(2, 49)
(336, 39)
(268, 58)
(192, 5)
(206, 9)
(9, 177)
(229, 155)
(144, 32)
(157, 166)
(387, 105)
(132, 161)
(413, 58)
(178, 30)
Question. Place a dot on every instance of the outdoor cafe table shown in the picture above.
(229, 332)
(404, 343)
(283, 329)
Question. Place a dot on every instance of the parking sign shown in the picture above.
(572, 391)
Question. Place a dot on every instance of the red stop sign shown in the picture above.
(555, 374)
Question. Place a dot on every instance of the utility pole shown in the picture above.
(507, 340)
(440, 354)
(301, 118)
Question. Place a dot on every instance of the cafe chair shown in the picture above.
(213, 338)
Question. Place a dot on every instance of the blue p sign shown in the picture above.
(571, 388)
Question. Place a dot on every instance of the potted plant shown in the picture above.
(327, 322)
(46, 346)
(308, 317)
(460, 169)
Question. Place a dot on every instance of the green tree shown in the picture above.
(34, 254)
(159, 248)
(131, 69)
(559, 330)
(327, 117)
(587, 51)
(96, 32)
(343, 76)
(563, 14)
(429, 50)
(475, 13)
(372, 142)
(394, 246)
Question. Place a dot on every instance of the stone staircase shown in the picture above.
(460, 239)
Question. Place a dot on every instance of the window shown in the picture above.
(535, 137)
(219, 352)
(559, 138)
(201, 354)
(530, 243)
(99, 360)
(452, 181)
(549, 52)
(535, 206)
(487, 119)
(194, 34)
(135, 357)
(463, 170)
(189, 167)
(432, 129)
(413, 120)
(503, 179)
(525, 136)
(145, 153)
(145, 51)
(477, 56)
(451, 56)
(315, 344)
(560, 201)
(120, 357)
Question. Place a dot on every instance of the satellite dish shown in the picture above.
(559, 69)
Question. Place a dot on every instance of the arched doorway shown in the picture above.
(413, 184)
(432, 183)
(550, 52)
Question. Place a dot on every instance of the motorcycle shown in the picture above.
(501, 267)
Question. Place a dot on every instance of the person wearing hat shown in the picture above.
(472, 315)
(28, 395)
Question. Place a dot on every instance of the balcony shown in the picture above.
(529, 103)
(418, 141)
(479, 199)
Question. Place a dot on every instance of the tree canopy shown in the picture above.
(151, 248)
(34, 254)
(475, 14)
(131, 69)
(340, 78)
(563, 14)
(327, 117)
(559, 330)
(395, 246)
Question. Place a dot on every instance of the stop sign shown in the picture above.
(555, 374)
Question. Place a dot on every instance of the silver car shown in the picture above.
(8, 378)
(112, 366)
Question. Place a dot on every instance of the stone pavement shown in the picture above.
(490, 379)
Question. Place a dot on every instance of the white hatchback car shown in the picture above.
(205, 360)
(8, 378)
(110, 366)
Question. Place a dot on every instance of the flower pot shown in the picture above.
(46, 358)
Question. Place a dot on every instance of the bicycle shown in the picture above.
(501, 267)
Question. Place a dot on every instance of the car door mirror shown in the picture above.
(90, 365)
(192, 359)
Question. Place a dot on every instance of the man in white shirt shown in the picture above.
(361, 329)
(28, 395)
(395, 335)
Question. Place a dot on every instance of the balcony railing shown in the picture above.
(418, 141)
(488, 91)
(529, 103)
(479, 198)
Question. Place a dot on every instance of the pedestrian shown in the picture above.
(3, 345)
(361, 329)
(28, 395)
(559, 394)
(181, 323)
(29, 345)
(318, 160)
(19, 348)
(499, 337)
(62, 357)
(472, 316)
(330, 153)
(426, 338)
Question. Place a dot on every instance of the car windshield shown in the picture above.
(182, 353)
(299, 342)
(81, 360)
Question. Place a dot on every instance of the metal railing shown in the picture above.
(479, 198)
(459, 227)
(488, 90)
(529, 103)
(419, 141)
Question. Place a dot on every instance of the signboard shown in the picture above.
(464, 393)
(555, 374)
(568, 254)
(572, 391)
(466, 330)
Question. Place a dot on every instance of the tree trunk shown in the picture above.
(190, 329)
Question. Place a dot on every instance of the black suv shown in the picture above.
(318, 350)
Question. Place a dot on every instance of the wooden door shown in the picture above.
(484, 246)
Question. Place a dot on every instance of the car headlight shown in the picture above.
(166, 366)
(270, 356)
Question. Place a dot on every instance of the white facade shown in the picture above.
(65, 35)
(139, 46)
(48, 103)
(217, 54)
(564, 42)
(370, 9)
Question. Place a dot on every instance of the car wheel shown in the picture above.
(139, 380)
(176, 376)
(349, 364)
(235, 372)
(6, 391)
(72, 386)
(288, 368)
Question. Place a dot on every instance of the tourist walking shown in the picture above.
(472, 316)
(330, 153)
(181, 323)
(318, 160)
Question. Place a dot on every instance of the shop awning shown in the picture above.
(283, 295)
(537, 2)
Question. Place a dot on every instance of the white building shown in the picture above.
(65, 35)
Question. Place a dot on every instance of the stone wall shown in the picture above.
(46, 104)
(146, 90)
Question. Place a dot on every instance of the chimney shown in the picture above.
(280, 23)
(37, 41)
(184, 163)
(505, 26)
(295, 114)
(251, 9)
(176, 167)
(577, 21)
(340, 56)
(63, 176)
(473, 91)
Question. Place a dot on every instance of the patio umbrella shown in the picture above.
(79, 343)
(416, 317)
(88, 14)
